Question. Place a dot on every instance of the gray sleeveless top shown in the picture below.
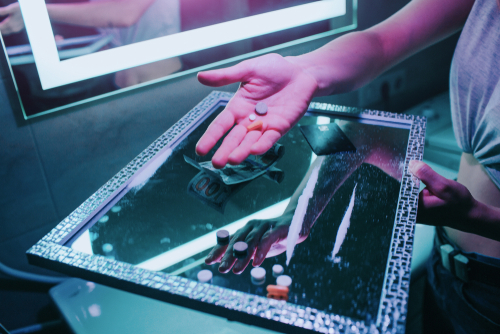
(475, 87)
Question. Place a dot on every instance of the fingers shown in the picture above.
(270, 238)
(265, 142)
(225, 76)
(230, 143)
(228, 260)
(215, 131)
(252, 240)
(243, 150)
(437, 184)
(216, 254)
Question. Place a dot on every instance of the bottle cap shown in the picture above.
(222, 237)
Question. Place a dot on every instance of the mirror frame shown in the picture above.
(51, 253)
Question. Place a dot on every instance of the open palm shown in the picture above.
(280, 83)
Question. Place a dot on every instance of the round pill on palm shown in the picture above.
(261, 108)
(252, 117)
(240, 249)
(255, 126)
(222, 237)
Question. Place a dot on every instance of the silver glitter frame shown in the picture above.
(283, 316)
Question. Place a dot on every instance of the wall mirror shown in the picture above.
(150, 229)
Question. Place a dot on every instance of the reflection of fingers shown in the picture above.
(266, 242)
(224, 76)
(243, 151)
(215, 131)
(252, 240)
(265, 142)
(215, 255)
(228, 260)
(230, 143)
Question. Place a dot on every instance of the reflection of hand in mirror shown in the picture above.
(13, 22)
(265, 238)
(280, 83)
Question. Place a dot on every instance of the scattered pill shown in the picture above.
(240, 249)
(104, 219)
(205, 276)
(277, 292)
(278, 270)
(255, 126)
(107, 248)
(284, 280)
(116, 208)
(261, 108)
(276, 289)
(252, 117)
(258, 273)
(222, 237)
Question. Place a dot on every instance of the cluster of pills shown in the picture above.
(277, 291)
(261, 110)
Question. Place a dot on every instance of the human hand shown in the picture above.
(13, 22)
(443, 202)
(284, 86)
(265, 238)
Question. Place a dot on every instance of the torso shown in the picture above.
(472, 175)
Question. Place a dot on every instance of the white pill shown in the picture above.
(261, 108)
(278, 270)
(258, 273)
(284, 280)
(107, 248)
(103, 219)
(205, 276)
(116, 208)
(252, 117)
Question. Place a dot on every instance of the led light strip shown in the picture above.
(54, 73)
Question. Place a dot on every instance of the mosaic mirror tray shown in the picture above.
(345, 250)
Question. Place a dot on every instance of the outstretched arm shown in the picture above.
(110, 13)
(287, 84)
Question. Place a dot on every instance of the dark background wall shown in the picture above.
(49, 165)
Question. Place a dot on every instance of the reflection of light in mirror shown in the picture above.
(54, 73)
(95, 310)
(344, 226)
(83, 243)
(300, 213)
(140, 180)
(209, 240)
(91, 286)
(321, 120)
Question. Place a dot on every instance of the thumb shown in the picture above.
(225, 76)
(434, 182)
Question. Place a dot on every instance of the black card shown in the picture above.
(327, 139)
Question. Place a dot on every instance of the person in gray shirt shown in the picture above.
(466, 211)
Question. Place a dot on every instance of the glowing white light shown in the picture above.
(83, 243)
(209, 240)
(54, 73)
